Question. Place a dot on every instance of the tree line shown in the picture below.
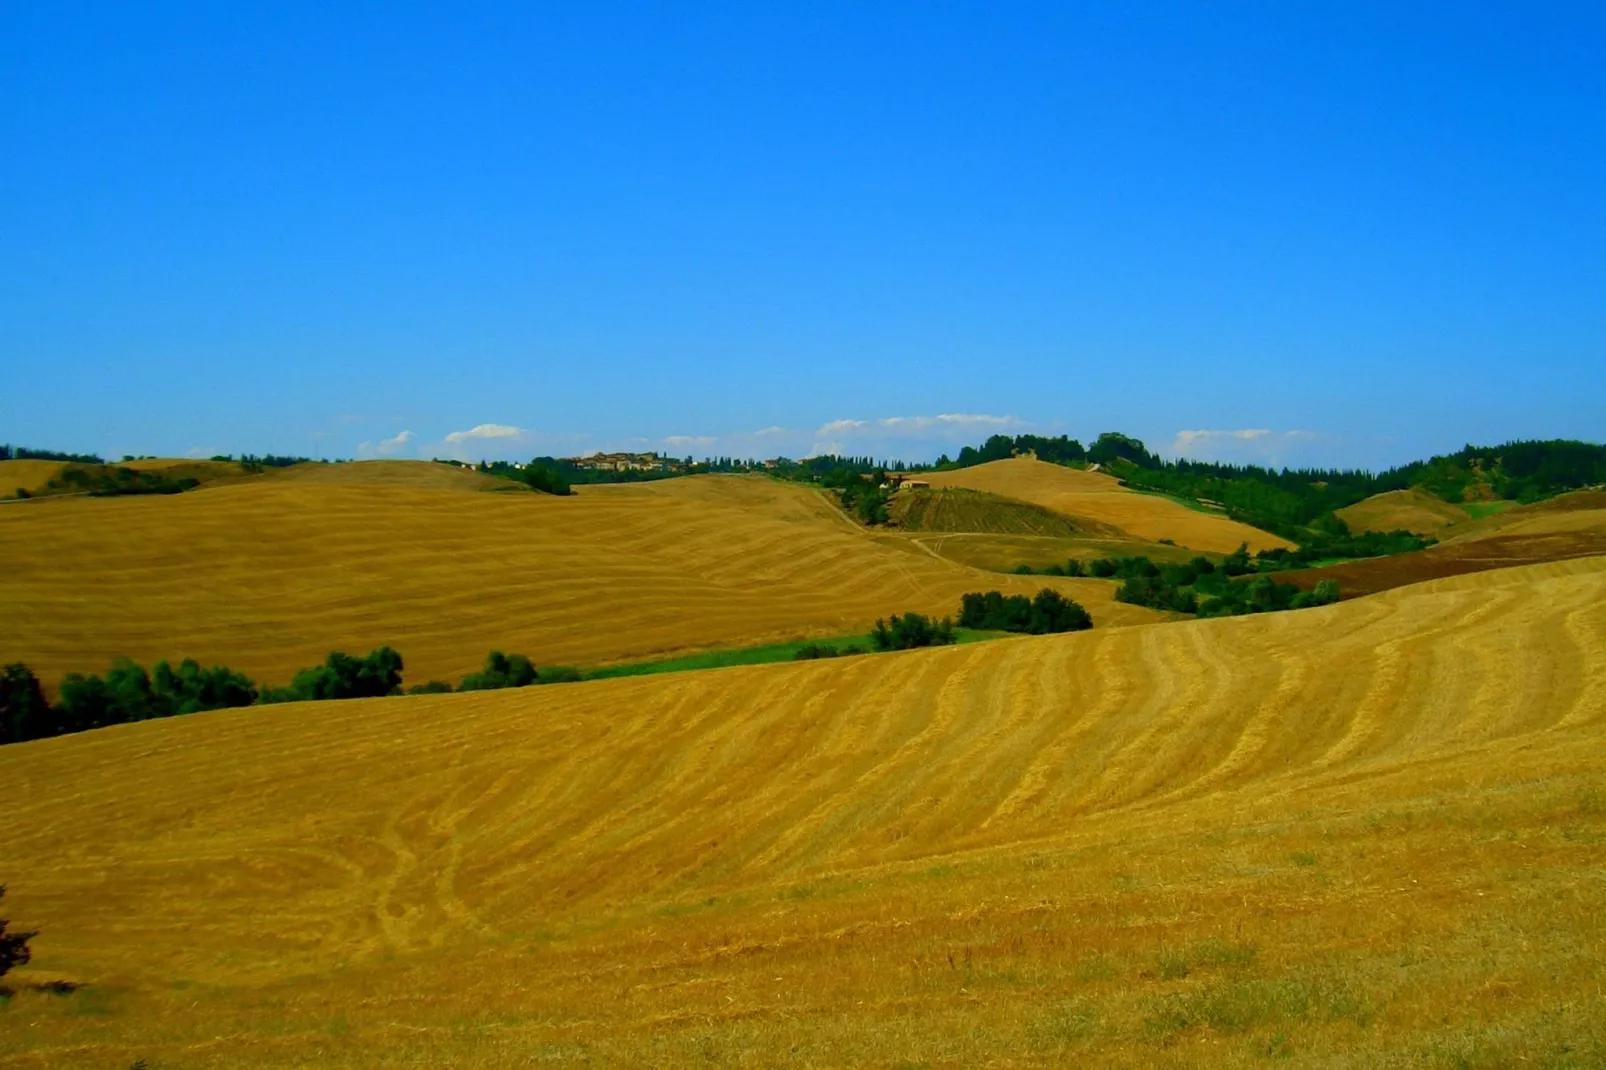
(127, 692)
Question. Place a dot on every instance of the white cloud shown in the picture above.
(1251, 444)
(948, 421)
(836, 426)
(910, 437)
(679, 441)
(485, 431)
(769, 432)
(395, 444)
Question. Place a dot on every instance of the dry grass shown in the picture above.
(27, 475)
(1002, 553)
(1097, 499)
(1403, 510)
(953, 509)
(1369, 834)
(267, 575)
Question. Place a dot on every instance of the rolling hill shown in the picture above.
(955, 509)
(268, 574)
(1099, 501)
(1368, 834)
(1403, 510)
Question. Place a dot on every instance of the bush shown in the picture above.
(501, 670)
(432, 687)
(342, 676)
(559, 674)
(1049, 612)
(13, 946)
(24, 713)
(814, 651)
(909, 631)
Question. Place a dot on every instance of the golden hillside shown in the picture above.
(1360, 835)
(1403, 510)
(1099, 498)
(268, 574)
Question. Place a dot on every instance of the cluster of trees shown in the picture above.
(911, 630)
(343, 676)
(23, 453)
(107, 481)
(537, 475)
(1048, 612)
(126, 693)
(256, 462)
(1297, 503)
(1208, 590)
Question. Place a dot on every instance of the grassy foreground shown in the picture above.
(1368, 834)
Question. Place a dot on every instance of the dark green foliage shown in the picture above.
(541, 474)
(342, 676)
(23, 453)
(559, 674)
(1048, 612)
(501, 670)
(113, 482)
(1333, 540)
(24, 492)
(192, 689)
(1056, 450)
(431, 687)
(911, 630)
(24, 713)
(815, 651)
(13, 946)
(1112, 446)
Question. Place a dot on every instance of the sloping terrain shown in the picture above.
(1368, 834)
(28, 475)
(268, 575)
(1093, 498)
(1567, 527)
(1403, 510)
(1004, 553)
(975, 511)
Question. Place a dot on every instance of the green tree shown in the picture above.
(24, 713)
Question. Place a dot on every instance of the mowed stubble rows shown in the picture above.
(1100, 498)
(1369, 832)
(269, 574)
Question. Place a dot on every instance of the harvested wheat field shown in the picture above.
(1096, 499)
(1403, 510)
(1368, 834)
(28, 475)
(269, 574)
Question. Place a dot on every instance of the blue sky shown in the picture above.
(1341, 233)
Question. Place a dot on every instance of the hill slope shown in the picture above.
(1356, 835)
(953, 509)
(1100, 499)
(269, 574)
(1403, 510)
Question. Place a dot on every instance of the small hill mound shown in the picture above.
(1093, 500)
(1412, 510)
(956, 509)
(30, 476)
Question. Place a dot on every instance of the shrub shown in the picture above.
(432, 687)
(909, 631)
(342, 676)
(1049, 612)
(560, 674)
(24, 713)
(13, 946)
(501, 670)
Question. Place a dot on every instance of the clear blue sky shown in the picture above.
(1370, 231)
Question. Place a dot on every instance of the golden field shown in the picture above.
(269, 573)
(1372, 834)
(1403, 510)
(1100, 501)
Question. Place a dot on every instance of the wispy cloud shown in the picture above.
(909, 437)
(682, 441)
(1254, 444)
(388, 447)
(485, 431)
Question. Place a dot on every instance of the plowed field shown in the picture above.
(1369, 834)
